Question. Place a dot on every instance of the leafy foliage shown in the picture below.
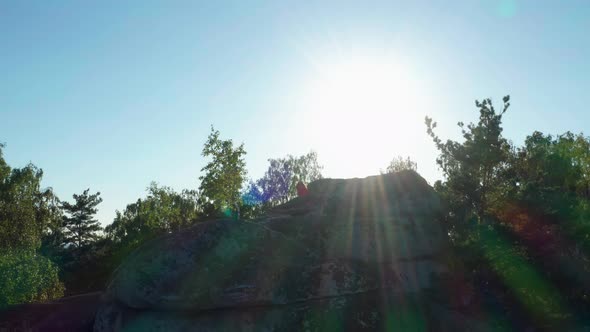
(276, 182)
(475, 169)
(224, 174)
(306, 169)
(26, 211)
(399, 164)
(163, 210)
(546, 173)
(532, 249)
(254, 204)
(279, 183)
(25, 208)
(27, 277)
(80, 227)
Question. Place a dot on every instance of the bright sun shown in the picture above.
(360, 106)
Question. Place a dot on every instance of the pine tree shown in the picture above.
(80, 227)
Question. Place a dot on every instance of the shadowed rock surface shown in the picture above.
(72, 313)
(355, 255)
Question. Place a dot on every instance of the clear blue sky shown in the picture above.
(114, 94)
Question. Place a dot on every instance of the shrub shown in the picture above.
(26, 276)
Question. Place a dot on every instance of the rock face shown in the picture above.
(356, 255)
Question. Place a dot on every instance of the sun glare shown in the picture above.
(358, 106)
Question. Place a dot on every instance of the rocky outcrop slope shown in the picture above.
(354, 254)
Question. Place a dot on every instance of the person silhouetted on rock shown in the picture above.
(301, 189)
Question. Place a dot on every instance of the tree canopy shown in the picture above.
(162, 210)
(474, 169)
(26, 211)
(518, 215)
(80, 226)
(279, 183)
(25, 208)
(399, 164)
(224, 174)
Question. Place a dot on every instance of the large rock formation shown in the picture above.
(357, 254)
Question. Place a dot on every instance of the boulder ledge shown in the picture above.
(352, 254)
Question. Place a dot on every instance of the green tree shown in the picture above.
(27, 277)
(306, 169)
(551, 177)
(279, 183)
(545, 172)
(275, 185)
(476, 169)
(253, 203)
(80, 226)
(577, 149)
(224, 174)
(26, 209)
(531, 197)
(162, 210)
(26, 213)
(398, 164)
(53, 237)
